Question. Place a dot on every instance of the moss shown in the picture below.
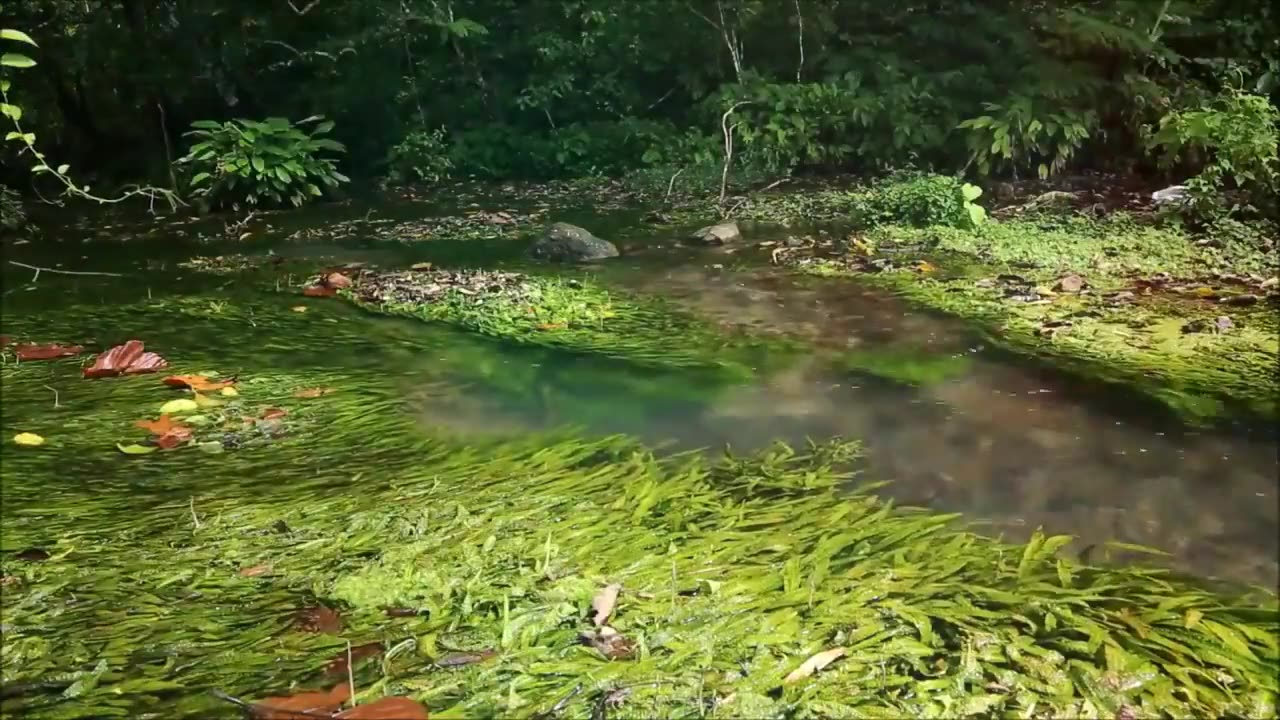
(1201, 377)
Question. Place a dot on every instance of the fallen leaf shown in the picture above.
(609, 642)
(420, 267)
(1204, 292)
(814, 664)
(213, 447)
(603, 603)
(387, 708)
(254, 570)
(130, 358)
(173, 438)
(303, 705)
(159, 427)
(136, 449)
(337, 280)
(459, 659)
(299, 308)
(312, 392)
(229, 392)
(198, 383)
(5, 340)
(28, 352)
(319, 291)
(28, 439)
(272, 413)
(181, 405)
(924, 266)
(204, 401)
(318, 619)
(551, 326)
(338, 664)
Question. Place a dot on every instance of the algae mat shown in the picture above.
(464, 575)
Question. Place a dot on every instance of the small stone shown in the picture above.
(1223, 323)
(1070, 284)
(1240, 300)
(1270, 283)
(717, 234)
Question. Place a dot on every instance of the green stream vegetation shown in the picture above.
(386, 455)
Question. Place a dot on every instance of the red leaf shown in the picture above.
(319, 291)
(5, 340)
(337, 280)
(173, 438)
(160, 427)
(254, 571)
(318, 619)
(338, 665)
(302, 706)
(272, 413)
(387, 708)
(46, 352)
(197, 382)
(127, 358)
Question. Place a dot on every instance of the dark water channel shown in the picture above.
(953, 425)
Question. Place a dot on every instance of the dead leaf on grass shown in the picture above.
(551, 326)
(337, 280)
(307, 393)
(130, 358)
(318, 619)
(603, 603)
(319, 291)
(609, 642)
(814, 664)
(273, 413)
(300, 706)
(49, 351)
(198, 383)
(254, 571)
(167, 433)
(387, 708)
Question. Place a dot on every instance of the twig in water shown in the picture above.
(55, 397)
(39, 270)
(195, 519)
(351, 677)
(671, 185)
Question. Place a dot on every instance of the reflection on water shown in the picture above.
(1015, 446)
(951, 425)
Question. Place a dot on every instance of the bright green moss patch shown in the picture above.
(1126, 328)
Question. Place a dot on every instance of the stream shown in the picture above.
(954, 426)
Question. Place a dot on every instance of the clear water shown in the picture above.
(961, 428)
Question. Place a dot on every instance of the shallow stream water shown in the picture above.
(953, 425)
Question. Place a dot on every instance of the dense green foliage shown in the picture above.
(244, 161)
(425, 88)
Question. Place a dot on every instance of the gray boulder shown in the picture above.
(718, 234)
(563, 242)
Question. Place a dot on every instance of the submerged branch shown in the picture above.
(39, 270)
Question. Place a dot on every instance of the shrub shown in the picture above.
(919, 200)
(1233, 140)
(1024, 134)
(422, 156)
(252, 162)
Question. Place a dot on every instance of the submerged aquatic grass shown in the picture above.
(733, 573)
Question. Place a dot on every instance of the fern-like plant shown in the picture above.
(261, 162)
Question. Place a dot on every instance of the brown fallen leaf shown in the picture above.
(130, 358)
(28, 351)
(166, 433)
(5, 340)
(315, 392)
(319, 291)
(609, 642)
(338, 664)
(306, 705)
(387, 708)
(198, 383)
(459, 659)
(254, 571)
(273, 413)
(421, 267)
(551, 326)
(814, 664)
(1070, 284)
(318, 619)
(603, 603)
(337, 280)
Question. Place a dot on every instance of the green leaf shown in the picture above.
(18, 36)
(199, 178)
(14, 60)
(970, 192)
(12, 112)
(323, 127)
(136, 449)
(62, 169)
(258, 163)
(4, 86)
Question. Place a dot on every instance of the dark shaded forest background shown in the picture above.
(423, 89)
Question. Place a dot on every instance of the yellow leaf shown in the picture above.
(229, 392)
(299, 308)
(28, 439)
(179, 406)
(205, 401)
(1192, 619)
(814, 664)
